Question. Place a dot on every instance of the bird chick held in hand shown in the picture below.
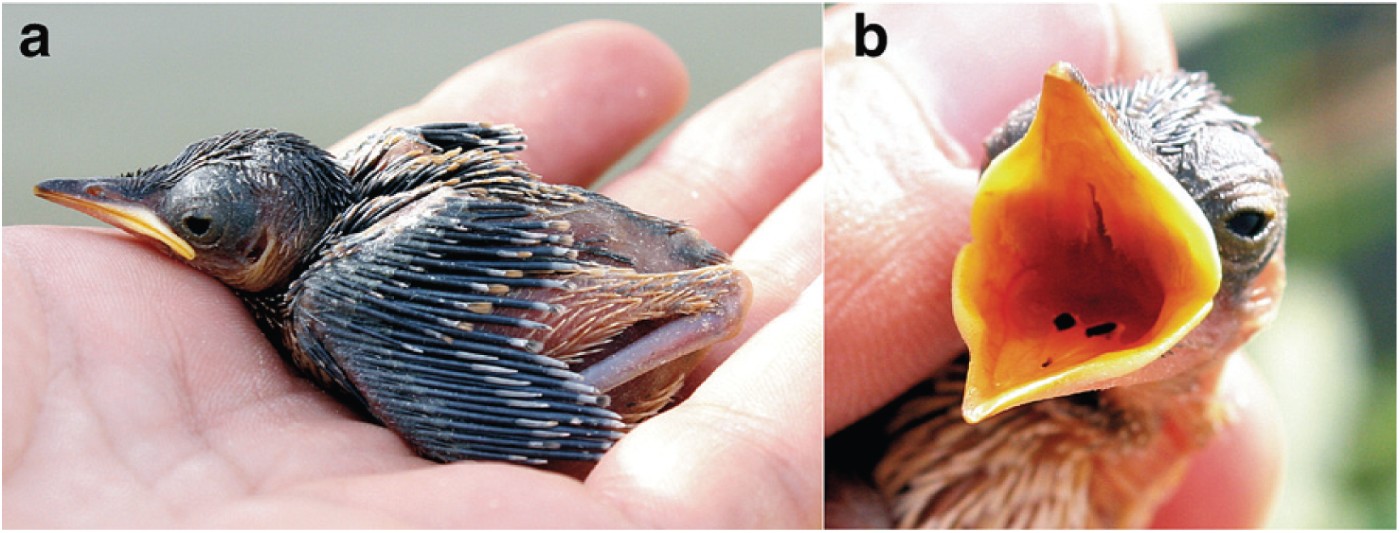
(1126, 240)
(432, 281)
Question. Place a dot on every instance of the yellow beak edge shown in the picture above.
(1088, 261)
(133, 218)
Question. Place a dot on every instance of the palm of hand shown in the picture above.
(138, 392)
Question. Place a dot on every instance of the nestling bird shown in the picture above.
(430, 280)
(1126, 240)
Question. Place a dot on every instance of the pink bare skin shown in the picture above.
(904, 146)
(138, 393)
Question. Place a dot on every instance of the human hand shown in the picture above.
(138, 392)
(904, 138)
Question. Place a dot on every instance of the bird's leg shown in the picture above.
(669, 342)
(636, 335)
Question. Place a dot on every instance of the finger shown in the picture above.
(781, 258)
(752, 425)
(1231, 484)
(897, 203)
(726, 168)
(895, 219)
(585, 94)
(1143, 38)
(972, 72)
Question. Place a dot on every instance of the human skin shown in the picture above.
(139, 393)
(904, 144)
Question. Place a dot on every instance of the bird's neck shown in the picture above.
(1098, 459)
(1184, 407)
(1163, 424)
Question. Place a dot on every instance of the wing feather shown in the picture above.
(422, 312)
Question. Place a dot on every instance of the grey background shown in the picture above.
(128, 86)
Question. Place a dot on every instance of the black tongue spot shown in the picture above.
(1101, 329)
(1064, 321)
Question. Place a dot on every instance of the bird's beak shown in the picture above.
(109, 201)
(1088, 261)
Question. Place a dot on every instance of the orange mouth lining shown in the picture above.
(1088, 261)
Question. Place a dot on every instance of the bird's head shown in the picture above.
(1119, 235)
(244, 207)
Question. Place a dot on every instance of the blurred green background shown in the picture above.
(1323, 79)
(128, 86)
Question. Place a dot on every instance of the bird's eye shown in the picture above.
(199, 227)
(1248, 223)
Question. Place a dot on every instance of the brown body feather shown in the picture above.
(1103, 459)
